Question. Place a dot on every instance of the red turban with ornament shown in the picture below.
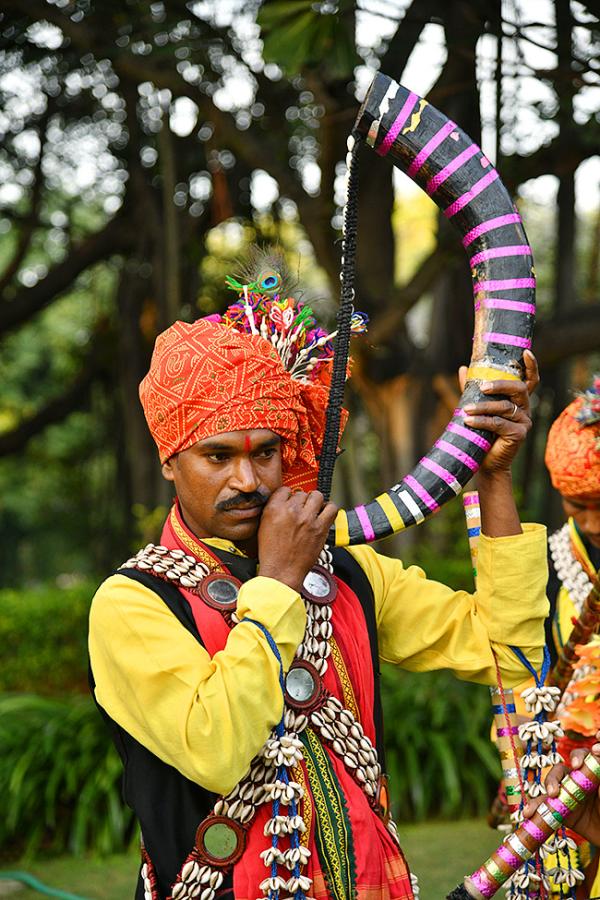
(208, 378)
(573, 448)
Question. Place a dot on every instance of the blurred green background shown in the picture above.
(143, 147)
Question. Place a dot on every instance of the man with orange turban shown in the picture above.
(573, 460)
(237, 662)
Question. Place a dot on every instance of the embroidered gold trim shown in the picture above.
(333, 833)
(579, 551)
(340, 667)
(192, 545)
(306, 810)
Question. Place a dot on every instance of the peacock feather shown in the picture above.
(265, 307)
(264, 271)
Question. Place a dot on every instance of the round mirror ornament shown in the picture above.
(319, 586)
(303, 686)
(220, 591)
(220, 841)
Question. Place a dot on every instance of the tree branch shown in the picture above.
(406, 296)
(55, 411)
(562, 337)
(402, 44)
(30, 221)
(113, 238)
(250, 145)
(593, 7)
(77, 32)
(582, 143)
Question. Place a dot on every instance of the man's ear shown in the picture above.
(167, 469)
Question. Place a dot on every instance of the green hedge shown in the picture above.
(438, 752)
(59, 778)
(44, 633)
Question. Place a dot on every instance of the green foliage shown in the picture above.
(59, 778)
(438, 852)
(439, 756)
(95, 877)
(148, 524)
(49, 626)
(302, 34)
(59, 509)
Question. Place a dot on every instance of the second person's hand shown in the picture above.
(585, 820)
(508, 419)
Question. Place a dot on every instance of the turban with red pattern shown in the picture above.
(573, 450)
(206, 379)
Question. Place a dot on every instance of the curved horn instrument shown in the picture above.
(456, 174)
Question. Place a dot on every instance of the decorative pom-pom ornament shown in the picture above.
(589, 412)
(266, 308)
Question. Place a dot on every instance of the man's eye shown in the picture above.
(218, 457)
(267, 453)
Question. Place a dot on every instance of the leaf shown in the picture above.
(450, 770)
(444, 725)
(58, 753)
(297, 35)
(275, 14)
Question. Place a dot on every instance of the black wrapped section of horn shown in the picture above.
(342, 341)
(459, 893)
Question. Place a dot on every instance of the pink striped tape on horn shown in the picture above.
(435, 152)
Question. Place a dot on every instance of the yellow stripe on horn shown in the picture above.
(490, 373)
(342, 531)
(392, 514)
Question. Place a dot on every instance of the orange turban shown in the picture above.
(207, 378)
(573, 450)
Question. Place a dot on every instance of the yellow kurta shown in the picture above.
(209, 717)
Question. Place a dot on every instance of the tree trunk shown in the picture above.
(171, 289)
(145, 485)
(565, 264)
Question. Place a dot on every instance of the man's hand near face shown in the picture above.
(293, 529)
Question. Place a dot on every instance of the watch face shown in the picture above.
(319, 586)
(220, 591)
(300, 684)
(303, 686)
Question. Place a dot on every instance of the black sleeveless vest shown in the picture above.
(168, 806)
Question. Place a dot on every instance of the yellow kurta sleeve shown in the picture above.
(206, 717)
(425, 625)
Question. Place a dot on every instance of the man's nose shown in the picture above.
(244, 477)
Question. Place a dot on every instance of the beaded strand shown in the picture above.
(569, 570)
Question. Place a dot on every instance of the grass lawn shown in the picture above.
(439, 852)
(442, 853)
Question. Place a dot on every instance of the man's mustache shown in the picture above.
(254, 498)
